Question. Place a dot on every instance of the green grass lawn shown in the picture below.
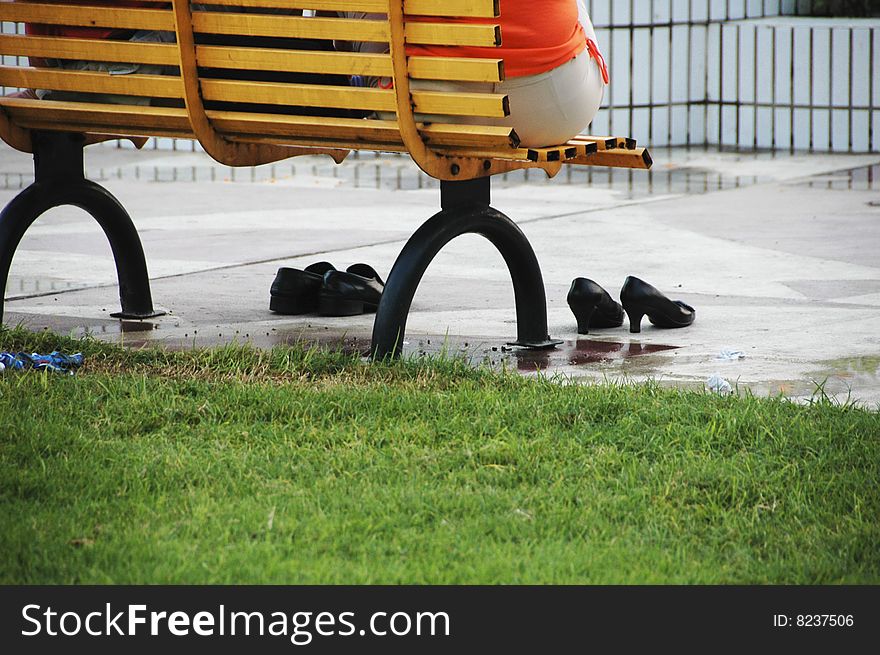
(296, 466)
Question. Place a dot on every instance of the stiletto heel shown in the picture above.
(592, 306)
(635, 319)
(583, 316)
(639, 299)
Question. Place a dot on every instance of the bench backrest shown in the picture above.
(236, 76)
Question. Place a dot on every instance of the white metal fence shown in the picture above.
(745, 73)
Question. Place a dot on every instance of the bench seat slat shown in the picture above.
(126, 18)
(162, 54)
(456, 34)
(232, 24)
(618, 158)
(318, 95)
(460, 69)
(150, 86)
(294, 61)
(298, 128)
(615, 157)
(277, 94)
(120, 131)
(609, 142)
(37, 114)
(24, 111)
(468, 8)
(344, 29)
(297, 27)
(261, 59)
(372, 6)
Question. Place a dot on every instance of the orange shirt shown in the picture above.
(536, 36)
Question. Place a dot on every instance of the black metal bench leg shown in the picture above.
(465, 209)
(58, 163)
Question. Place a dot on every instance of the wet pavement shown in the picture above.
(777, 252)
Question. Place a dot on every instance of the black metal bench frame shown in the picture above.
(59, 179)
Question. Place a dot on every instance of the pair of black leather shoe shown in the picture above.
(321, 288)
(593, 307)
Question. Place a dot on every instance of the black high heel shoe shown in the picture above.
(592, 306)
(640, 298)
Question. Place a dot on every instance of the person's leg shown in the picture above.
(545, 109)
(113, 68)
(550, 108)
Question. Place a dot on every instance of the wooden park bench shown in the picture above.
(243, 119)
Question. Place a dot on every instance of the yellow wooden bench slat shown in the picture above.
(609, 142)
(127, 18)
(251, 24)
(132, 119)
(460, 69)
(319, 95)
(458, 103)
(362, 131)
(638, 158)
(297, 27)
(464, 8)
(559, 153)
(293, 61)
(162, 54)
(149, 86)
(148, 118)
(344, 29)
(486, 36)
(601, 142)
(261, 59)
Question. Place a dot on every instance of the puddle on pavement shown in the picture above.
(851, 370)
(583, 352)
(864, 178)
(868, 365)
(24, 287)
(137, 326)
(476, 351)
(391, 172)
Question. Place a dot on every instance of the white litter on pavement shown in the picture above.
(719, 385)
(730, 355)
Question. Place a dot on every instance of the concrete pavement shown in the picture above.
(778, 253)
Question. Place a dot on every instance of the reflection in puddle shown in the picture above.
(477, 351)
(396, 172)
(137, 326)
(582, 352)
(24, 287)
(864, 178)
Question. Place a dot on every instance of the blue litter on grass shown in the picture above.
(55, 361)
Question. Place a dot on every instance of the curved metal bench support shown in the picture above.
(58, 164)
(465, 210)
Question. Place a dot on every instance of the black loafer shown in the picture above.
(592, 306)
(295, 291)
(353, 291)
(640, 298)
